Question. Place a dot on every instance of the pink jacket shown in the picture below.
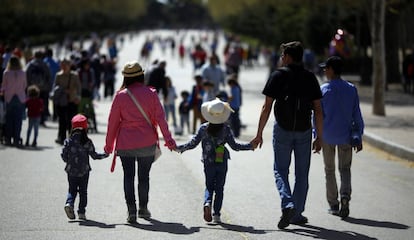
(126, 125)
(14, 83)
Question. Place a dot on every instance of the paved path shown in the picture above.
(33, 187)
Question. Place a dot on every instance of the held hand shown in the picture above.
(171, 145)
(317, 145)
(257, 141)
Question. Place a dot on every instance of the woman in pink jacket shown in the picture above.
(13, 88)
(133, 138)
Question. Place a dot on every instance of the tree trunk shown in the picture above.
(392, 40)
(378, 56)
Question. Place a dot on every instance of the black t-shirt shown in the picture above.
(293, 89)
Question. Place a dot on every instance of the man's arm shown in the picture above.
(264, 116)
(317, 110)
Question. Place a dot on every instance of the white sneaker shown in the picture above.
(69, 211)
(82, 216)
(216, 219)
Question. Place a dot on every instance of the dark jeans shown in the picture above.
(143, 168)
(65, 115)
(14, 120)
(215, 179)
(78, 185)
(44, 95)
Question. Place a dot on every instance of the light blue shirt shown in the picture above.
(214, 74)
(340, 107)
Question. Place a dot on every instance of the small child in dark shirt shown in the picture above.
(34, 105)
(213, 135)
(76, 151)
(184, 112)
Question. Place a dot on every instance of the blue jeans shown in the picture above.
(284, 143)
(143, 168)
(33, 124)
(78, 184)
(215, 179)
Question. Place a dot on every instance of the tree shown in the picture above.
(378, 56)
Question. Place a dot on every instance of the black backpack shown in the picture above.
(293, 106)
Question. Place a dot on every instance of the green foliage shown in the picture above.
(41, 19)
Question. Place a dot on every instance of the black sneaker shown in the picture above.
(344, 212)
(132, 218)
(300, 221)
(287, 214)
(144, 213)
(334, 210)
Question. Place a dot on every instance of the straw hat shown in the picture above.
(132, 69)
(216, 111)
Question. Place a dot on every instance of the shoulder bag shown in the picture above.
(157, 148)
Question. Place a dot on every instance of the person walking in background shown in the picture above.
(13, 89)
(38, 74)
(235, 100)
(184, 112)
(157, 79)
(196, 99)
(169, 102)
(34, 105)
(109, 71)
(214, 74)
(75, 153)
(340, 106)
(213, 135)
(296, 94)
(126, 122)
(54, 68)
(67, 106)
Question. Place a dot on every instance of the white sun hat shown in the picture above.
(216, 111)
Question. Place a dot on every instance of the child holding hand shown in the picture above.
(76, 151)
(213, 135)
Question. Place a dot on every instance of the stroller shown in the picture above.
(86, 108)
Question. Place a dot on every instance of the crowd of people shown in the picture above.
(70, 84)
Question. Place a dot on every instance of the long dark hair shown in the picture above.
(130, 80)
(214, 129)
(84, 135)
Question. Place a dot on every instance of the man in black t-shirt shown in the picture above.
(296, 93)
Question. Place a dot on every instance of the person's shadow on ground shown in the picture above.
(375, 223)
(323, 233)
(168, 227)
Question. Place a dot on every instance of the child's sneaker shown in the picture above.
(82, 216)
(132, 218)
(69, 211)
(207, 212)
(216, 219)
(144, 213)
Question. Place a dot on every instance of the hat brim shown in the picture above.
(134, 74)
(215, 119)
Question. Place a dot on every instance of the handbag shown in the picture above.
(157, 153)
